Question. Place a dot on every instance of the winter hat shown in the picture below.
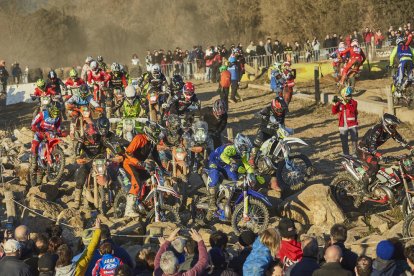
(385, 250)
(11, 246)
(287, 228)
(247, 238)
(46, 263)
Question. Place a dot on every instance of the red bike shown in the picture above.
(51, 158)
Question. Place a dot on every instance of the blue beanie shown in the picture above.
(385, 250)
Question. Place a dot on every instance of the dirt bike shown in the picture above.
(403, 94)
(84, 118)
(292, 170)
(99, 91)
(151, 199)
(351, 77)
(385, 189)
(99, 189)
(154, 100)
(129, 126)
(117, 94)
(200, 139)
(237, 203)
(50, 159)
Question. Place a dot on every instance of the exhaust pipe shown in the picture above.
(351, 170)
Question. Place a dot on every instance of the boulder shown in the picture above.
(22, 171)
(395, 231)
(47, 208)
(366, 245)
(73, 218)
(45, 191)
(313, 206)
(23, 135)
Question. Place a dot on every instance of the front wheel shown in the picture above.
(167, 214)
(120, 203)
(345, 190)
(408, 227)
(56, 169)
(257, 218)
(293, 176)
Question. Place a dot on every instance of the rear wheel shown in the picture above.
(167, 214)
(345, 190)
(257, 218)
(56, 169)
(295, 177)
(120, 203)
(408, 227)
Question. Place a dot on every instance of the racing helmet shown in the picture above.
(73, 73)
(88, 59)
(83, 91)
(52, 75)
(130, 94)
(242, 144)
(54, 109)
(115, 67)
(90, 133)
(99, 58)
(399, 40)
(40, 83)
(355, 43)
(156, 71)
(94, 65)
(177, 82)
(219, 108)
(390, 123)
(173, 122)
(278, 106)
(153, 132)
(346, 91)
(188, 90)
(102, 125)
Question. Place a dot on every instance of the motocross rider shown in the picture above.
(83, 99)
(368, 147)
(48, 120)
(97, 77)
(117, 80)
(272, 117)
(86, 67)
(338, 59)
(357, 58)
(277, 82)
(216, 118)
(171, 137)
(177, 84)
(405, 56)
(42, 90)
(95, 141)
(157, 78)
(54, 82)
(230, 160)
(102, 65)
(74, 80)
(130, 108)
(139, 150)
(184, 101)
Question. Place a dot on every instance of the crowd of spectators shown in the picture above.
(276, 251)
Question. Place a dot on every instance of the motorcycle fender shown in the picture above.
(254, 194)
(293, 140)
(53, 142)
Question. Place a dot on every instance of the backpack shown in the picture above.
(225, 79)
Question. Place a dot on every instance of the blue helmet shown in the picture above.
(347, 91)
(232, 59)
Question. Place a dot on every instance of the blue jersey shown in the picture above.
(107, 265)
(234, 72)
(404, 51)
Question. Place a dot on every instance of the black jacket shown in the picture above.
(215, 125)
(84, 148)
(385, 268)
(330, 269)
(265, 125)
(4, 75)
(12, 266)
(236, 264)
(306, 266)
(260, 50)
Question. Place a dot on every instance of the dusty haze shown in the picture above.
(61, 33)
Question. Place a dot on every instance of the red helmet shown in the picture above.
(277, 106)
(188, 90)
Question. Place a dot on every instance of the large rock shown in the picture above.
(73, 218)
(23, 135)
(313, 206)
(47, 208)
(22, 171)
(45, 191)
(366, 245)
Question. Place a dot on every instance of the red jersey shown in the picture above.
(43, 122)
(355, 53)
(99, 76)
(74, 83)
(47, 92)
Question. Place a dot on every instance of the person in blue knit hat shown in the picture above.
(385, 264)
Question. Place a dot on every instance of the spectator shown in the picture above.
(409, 255)
(296, 52)
(367, 34)
(288, 50)
(224, 85)
(339, 234)
(215, 74)
(364, 266)
(268, 47)
(219, 240)
(144, 262)
(105, 237)
(316, 46)
(4, 76)
(384, 264)
(347, 110)
(290, 250)
(327, 42)
(398, 255)
(309, 263)
(251, 49)
(41, 247)
(148, 61)
(246, 240)
(124, 270)
(308, 50)
(392, 39)
(86, 68)
(264, 249)
(335, 41)
(333, 256)
(278, 50)
(66, 267)
(10, 264)
(108, 264)
(54, 243)
(191, 255)
(177, 247)
(209, 62)
(26, 75)
(16, 73)
(135, 70)
(390, 29)
(234, 76)
(275, 268)
(379, 38)
(54, 231)
(219, 264)
(21, 234)
(356, 36)
(46, 265)
(167, 264)
(260, 49)
(348, 40)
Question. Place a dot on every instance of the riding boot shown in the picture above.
(77, 195)
(212, 207)
(129, 208)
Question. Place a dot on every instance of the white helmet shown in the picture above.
(88, 59)
(341, 45)
(155, 70)
(94, 65)
(130, 91)
(115, 67)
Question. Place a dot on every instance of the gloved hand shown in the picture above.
(335, 99)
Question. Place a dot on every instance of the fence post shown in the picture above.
(230, 134)
(317, 90)
(390, 100)
(10, 206)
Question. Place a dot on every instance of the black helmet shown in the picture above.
(99, 58)
(52, 75)
(177, 82)
(83, 91)
(103, 126)
(390, 123)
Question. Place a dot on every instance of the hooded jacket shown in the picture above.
(290, 252)
(384, 268)
(258, 260)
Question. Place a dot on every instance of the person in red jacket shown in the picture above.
(98, 78)
(74, 80)
(347, 110)
(42, 90)
(290, 250)
(357, 58)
